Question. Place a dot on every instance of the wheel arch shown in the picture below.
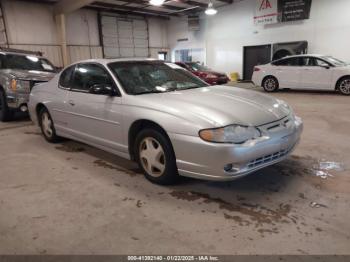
(339, 80)
(38, 108)
(136, 127)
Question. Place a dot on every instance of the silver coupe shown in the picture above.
(168, 120)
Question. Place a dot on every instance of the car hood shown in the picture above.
(217, 106)
(30, 75)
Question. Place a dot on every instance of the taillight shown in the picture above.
(256, 69)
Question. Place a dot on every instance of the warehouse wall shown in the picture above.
(158, 36)
(32, 26)
(224, 35)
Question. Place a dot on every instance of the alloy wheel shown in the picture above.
(345, 86)
(152, 156)
(270, 84)
(46, 123)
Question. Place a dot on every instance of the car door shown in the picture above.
(288, 72)
(95, 118)
(316, 73)
(58, 105)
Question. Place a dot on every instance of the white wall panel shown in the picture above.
(124, 36)
(158, 36)
(224, 35)
(29, 23)
(82, 28)
(77, 53)
(31, 26)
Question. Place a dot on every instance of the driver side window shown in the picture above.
(320, 62)
(88, 75)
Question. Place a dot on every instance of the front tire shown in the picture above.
(5, 112)
(270, 84)
(156, 157)
(47, 126)
(344, 86)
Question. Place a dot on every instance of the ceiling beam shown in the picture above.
(192, 3)
(67, 6)
(166, 4)
(126, 13)
(226, 1)
(131, 8)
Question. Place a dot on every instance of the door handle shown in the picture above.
(71, 102)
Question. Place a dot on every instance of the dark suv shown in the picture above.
(19, 72)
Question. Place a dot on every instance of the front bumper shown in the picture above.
(199, 159)
(15, 101)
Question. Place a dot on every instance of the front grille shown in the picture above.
(268, 158)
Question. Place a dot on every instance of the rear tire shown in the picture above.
(47, 126)
(343, 86)
(5, 112)
(270, 84)
(155, 156)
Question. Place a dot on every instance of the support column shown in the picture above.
(61, 29)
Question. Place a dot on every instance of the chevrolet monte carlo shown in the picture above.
(168, 120)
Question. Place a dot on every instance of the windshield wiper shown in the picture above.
(149, 92)
(192, 87)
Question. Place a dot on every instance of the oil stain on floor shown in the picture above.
(254, 214)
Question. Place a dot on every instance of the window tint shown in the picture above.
(320, 62)
(88, 75)
(295, 61)
(66, 76)
(308, 61)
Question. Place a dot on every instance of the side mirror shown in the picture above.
(102, 89)
(325, 66)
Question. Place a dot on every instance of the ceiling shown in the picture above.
(142, 7)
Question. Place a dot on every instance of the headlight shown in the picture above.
(20, 85)
(283, 104)
(236, 134)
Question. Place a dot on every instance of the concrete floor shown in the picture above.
(70, 198)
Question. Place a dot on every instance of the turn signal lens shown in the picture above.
(14, 84)
(210, 134)
(256, 69)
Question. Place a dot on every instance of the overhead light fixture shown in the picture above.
(157, 2)
(210, 10)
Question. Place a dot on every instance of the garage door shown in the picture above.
(124, 37)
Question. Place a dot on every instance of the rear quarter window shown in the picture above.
(66, 77)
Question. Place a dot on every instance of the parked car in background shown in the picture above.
(318, 72)
(205, 73)
(19, 72)
(166, 119)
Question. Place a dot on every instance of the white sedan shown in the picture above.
(316, 72)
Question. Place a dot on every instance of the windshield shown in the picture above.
(334, 61)
(198, 67)
(153, 77)
(23, 62)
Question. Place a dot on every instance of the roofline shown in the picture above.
(22, 54)
(106, 61)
